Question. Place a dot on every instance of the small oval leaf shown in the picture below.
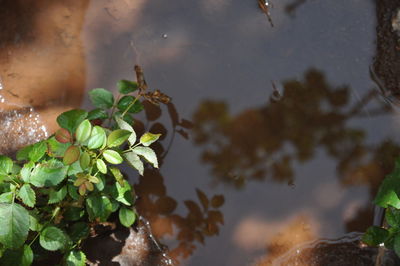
(83, 131)
(112, 156)
(97, 138)
(63, 135)
(117, 137)
(101, 166)
(71, 155)
(84, 160)
(148, 138)
(127, 216)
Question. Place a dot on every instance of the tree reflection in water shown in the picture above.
(266, 143)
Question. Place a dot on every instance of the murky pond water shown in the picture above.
(291, 135)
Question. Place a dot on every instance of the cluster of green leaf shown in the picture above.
(388, 197)
(57, 190)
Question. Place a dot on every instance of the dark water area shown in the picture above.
(277, 136)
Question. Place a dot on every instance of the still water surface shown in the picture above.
(291, 136)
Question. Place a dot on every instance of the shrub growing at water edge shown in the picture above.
(57, 190)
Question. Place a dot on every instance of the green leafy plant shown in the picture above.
(388, 197)
(57, 190)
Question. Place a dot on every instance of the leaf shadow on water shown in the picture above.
(203, 218)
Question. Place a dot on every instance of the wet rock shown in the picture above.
(347, 251)
(20, 127)
(386, 67)
(126, 247)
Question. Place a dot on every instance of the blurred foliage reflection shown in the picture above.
(266, 142)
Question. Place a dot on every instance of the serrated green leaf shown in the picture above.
(392, 217)
(118, 137)
(38, 151)
(57, 195)
(98, 207)
(124, 125)
(6, 165)
(49, 173)
(375, 236)
(112, 156)
(126, 86)
(83, 131)
(101, 98)
(97, 139)
(23, 154)
(148, 138)
(387, 195)
(101, 166)
(26, 171)
(75, 258)
(71, 155)
(84, 160)
(148, 154)
(34, 223)
(14, 225)
(129, 102)
(52, 238)
(134, 160)
(97, 114)
(127, 216)
(27, 195)
(71, 119)
(127, 117)
(6, 197)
